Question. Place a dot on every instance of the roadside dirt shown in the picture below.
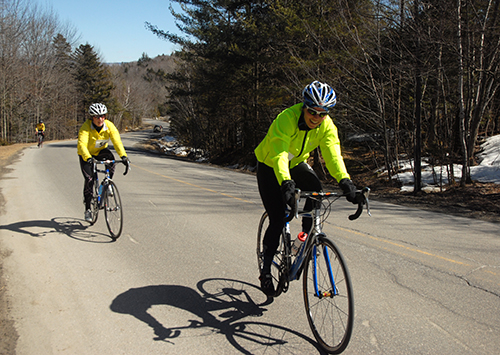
(8, 334)
(477, 200)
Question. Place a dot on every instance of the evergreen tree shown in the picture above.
(227, 88)
(93, 79)
(64, 101)
(62, 52)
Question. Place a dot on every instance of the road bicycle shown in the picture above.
(327, 289)
(107, 198)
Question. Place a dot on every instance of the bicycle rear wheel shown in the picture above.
(328, 297)
(278, 266)
(113, 210)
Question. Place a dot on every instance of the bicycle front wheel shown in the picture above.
(328, 297)
(113, 210)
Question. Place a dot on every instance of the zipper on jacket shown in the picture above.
(303, 144)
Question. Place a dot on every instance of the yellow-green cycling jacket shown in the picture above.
(91, 142)
(285, 145)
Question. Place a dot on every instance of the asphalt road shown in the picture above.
(182, 278)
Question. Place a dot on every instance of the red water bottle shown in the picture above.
(301, 238)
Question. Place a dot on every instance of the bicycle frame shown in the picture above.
(316, 231)
(106, 177)
(297, 265)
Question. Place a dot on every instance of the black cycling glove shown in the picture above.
(349, 190)
(126, 162)
(288, 192)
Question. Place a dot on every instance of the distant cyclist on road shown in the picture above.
(282, 166)
(40, 131)
(93, 139)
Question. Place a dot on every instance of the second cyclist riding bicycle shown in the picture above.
(93, 139)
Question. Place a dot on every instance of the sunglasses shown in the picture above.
(99, 116)
(313, 112)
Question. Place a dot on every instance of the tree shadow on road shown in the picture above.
(220, 307)
(72, 227)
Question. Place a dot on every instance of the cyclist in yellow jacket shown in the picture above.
(93, 139)
(282, 165)
(40, 131)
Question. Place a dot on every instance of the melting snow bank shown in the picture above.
(170, 146)
(434, 177)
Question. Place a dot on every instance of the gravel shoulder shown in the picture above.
(8, 333)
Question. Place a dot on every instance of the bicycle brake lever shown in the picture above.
(366, 192)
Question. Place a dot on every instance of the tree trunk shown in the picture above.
(461, 114)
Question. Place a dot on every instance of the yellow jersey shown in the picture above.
(91, 142)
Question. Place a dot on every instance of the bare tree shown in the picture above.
(13, 17)
(30, 80)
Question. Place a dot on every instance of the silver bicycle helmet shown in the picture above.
(98, 109)
(318, 94)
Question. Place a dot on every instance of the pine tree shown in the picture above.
(63, 103)
(94, 80)
(225, 86)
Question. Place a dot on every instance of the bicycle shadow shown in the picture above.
(72, 227)
(222, 305)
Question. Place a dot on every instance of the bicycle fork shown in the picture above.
(317, 292)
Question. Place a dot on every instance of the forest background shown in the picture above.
(414, 79)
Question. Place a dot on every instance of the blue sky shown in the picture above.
(115, 28)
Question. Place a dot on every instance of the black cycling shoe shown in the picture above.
(266, 284)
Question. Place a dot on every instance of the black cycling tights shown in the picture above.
(270, 192)
(88, 185)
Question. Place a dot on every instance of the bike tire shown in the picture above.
(113, 211)
(94, 207)
(278, 266)
(330, 314)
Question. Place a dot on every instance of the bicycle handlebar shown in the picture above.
(361, 197)
(127, 167)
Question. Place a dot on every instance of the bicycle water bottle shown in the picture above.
(301, 238)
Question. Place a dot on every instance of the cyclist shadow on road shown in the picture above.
(72, 227)
(221, 303)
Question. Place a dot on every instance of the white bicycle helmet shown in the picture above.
(318, 94)
(98, 109)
